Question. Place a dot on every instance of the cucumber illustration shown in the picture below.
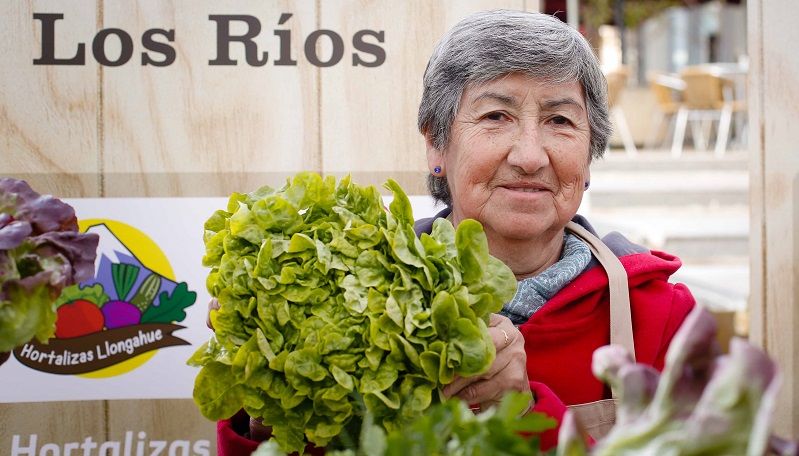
(146, 293)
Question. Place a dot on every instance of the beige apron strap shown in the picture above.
(598, 417)
(621, 326)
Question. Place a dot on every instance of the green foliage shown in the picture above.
(452, 429)
(325, 297)
(170, 308)
(449, 428)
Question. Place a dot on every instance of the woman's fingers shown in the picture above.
(502, 332)
(508, 372)
(502, 337)
(213, 304)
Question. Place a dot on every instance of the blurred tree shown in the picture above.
(595, 13)
(600, 12)
(621, 13)
(636, 12)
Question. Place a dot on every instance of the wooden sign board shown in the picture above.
(152, 98)
(201, 99)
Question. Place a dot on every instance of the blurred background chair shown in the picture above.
(735, 110)
(709, 100)
(667, 90)
(617, 81)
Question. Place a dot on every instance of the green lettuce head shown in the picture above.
(331, 306)
(41, 253)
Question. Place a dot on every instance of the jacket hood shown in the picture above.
(640, 263)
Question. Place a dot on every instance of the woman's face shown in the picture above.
(518, 156)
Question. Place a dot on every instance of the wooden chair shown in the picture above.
(667, 89)
(617, 80)
(707, 99)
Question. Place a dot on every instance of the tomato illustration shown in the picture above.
(78, 318)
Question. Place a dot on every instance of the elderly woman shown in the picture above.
(514, 111)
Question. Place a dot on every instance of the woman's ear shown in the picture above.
(435, 157)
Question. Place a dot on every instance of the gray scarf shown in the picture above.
(534, 292)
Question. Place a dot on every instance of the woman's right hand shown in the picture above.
(213, 304)
(508, 372)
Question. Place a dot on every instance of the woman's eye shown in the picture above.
(560, 120)
(495, 116)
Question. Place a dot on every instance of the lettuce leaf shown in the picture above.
(331, 307)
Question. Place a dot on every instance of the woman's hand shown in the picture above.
(508, 372)
(213, 304)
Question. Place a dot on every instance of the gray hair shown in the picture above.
(490, 44)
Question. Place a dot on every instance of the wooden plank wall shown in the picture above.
(774, 196)
(194, 129)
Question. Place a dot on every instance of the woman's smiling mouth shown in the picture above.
(525, 189)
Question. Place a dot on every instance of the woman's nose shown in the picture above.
(527, 151)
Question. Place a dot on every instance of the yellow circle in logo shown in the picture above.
(151, 256)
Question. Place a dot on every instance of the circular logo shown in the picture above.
(150, 255)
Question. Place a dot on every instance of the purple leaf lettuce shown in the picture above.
(41, 253)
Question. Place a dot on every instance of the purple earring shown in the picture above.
(587, 184)
(437, 170)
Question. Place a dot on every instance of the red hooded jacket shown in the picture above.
(560, 338)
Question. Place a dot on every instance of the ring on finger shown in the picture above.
(507, 339)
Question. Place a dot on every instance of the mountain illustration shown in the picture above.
(110, 250)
